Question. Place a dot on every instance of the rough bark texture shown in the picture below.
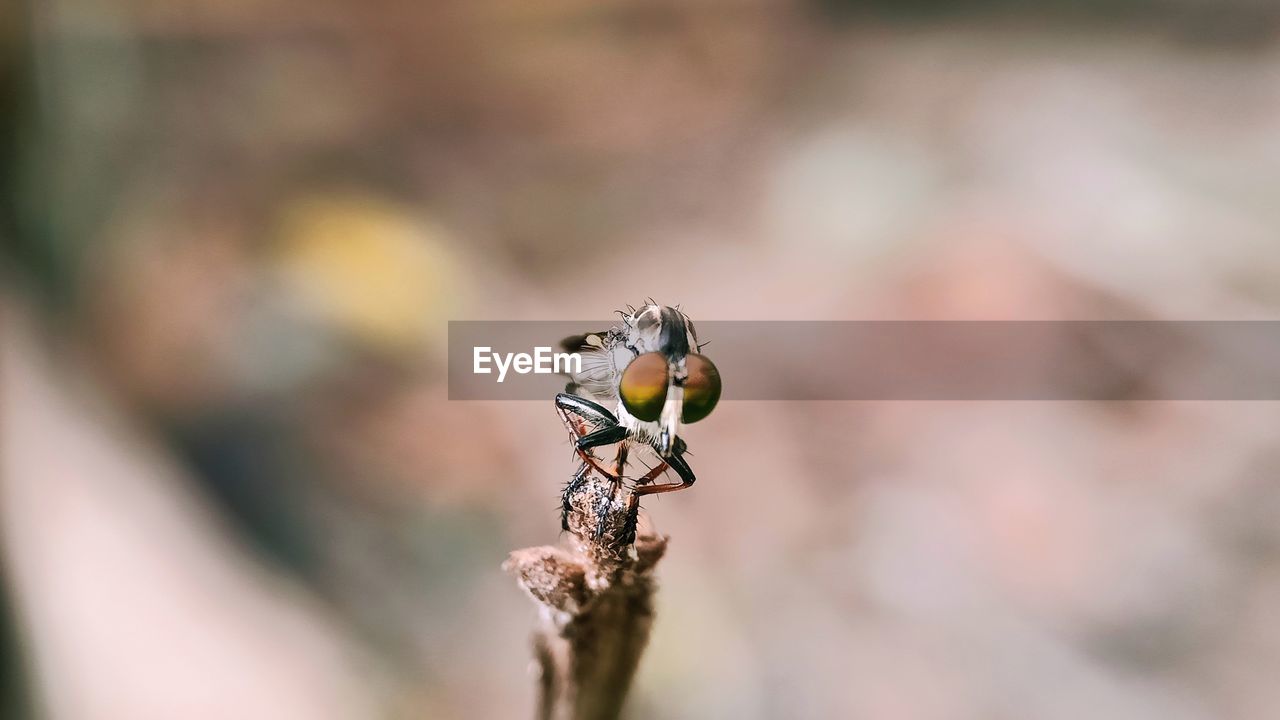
(595, 605)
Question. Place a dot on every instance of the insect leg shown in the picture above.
(580, 416)
(603, 436)
(592, 412)
(653, 473)
(677, 463)
(620, 460)
(628, 534)
(575, 483)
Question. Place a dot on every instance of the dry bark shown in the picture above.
(595, 605)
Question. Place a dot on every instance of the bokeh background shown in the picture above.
(234, 232)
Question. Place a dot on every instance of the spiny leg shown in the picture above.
(579, 414)
(653, 473)
(603, 436)
(677, 463)
(620, 460)
(592, 412)
(628, 534)
(575, 483)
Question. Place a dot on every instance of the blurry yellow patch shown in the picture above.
(369, 267)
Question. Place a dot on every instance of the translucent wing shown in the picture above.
(598, 379)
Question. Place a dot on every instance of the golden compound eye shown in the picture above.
(701, 389)
(644, 386)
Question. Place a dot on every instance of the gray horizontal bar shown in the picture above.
(928, 360)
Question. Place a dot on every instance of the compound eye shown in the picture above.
(644, 386)
(701, 389)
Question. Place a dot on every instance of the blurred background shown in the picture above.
(233, 232)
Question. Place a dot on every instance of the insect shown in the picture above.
(639, 381)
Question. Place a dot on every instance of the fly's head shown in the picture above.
(667, 380)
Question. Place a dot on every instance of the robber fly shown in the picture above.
(639, 381)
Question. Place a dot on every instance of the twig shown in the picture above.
(595, 605)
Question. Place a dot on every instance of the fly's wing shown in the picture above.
(596, 378)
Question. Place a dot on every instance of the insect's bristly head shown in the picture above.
(655, 328)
